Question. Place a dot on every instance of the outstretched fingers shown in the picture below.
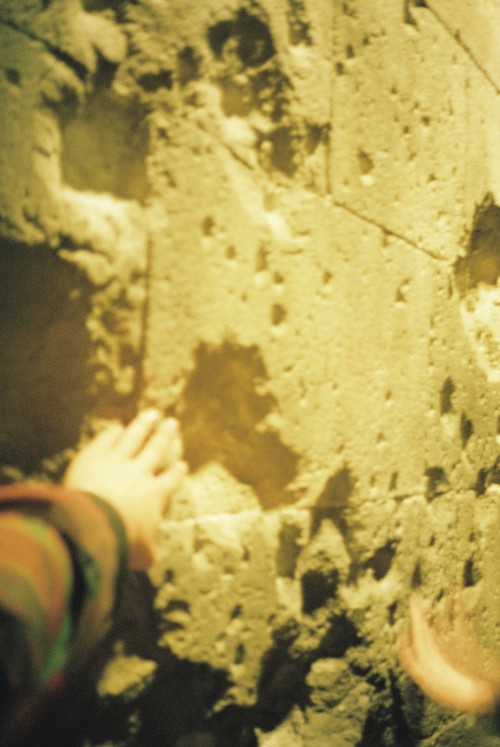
(419, 653)
(171, 478)
(137, 432)
(423, 640)
(107, 438)
(161, 449)
(423, 660)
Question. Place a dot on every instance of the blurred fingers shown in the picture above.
(423, 640)
(137, 432)
(162, 447)
(108, 437)
(171, 478)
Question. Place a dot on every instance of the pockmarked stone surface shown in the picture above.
(279, 222)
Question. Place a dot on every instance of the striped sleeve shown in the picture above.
(62, 559)
(35, 599)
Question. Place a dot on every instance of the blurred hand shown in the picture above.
(422, 659)
(135, 469)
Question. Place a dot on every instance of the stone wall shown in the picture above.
(276, 220)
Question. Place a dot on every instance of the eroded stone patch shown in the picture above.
(224, 408)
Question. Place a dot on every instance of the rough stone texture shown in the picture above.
(278, 221)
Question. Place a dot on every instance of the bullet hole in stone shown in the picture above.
(466, 429)
(317, 589)
(339, 68)
(482, 261)
(236, 612)
(253, 41)
(278, 314)
(432, 540)
(446, 397)
(208, 226)
(402, 292)
(104, 147)
(349, 52)
(437, 482)
(416, 578)
(199, 542)
(348, 10)
(188, 66)
(12, 76)
(45, 352)
(393, 484)
(426, 121)
(169, 576)
(483, 479)
(408, 15)
(261, 264)
(341, 636)
(231, 252)
(239, 654)
(391, 613)
(365, 163)
(223, 402)
(471, 574)
(315, 136)
(288, 550)
(151, 82)
(381, 561)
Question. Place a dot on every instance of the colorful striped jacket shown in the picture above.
(63, 555)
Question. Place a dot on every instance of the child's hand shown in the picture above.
(422, 659)
(133, 468)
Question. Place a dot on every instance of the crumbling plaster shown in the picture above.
(276, 220)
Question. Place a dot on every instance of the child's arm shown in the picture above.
(64, 549)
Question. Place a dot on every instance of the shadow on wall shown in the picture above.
(482, 261)
(44, 352)
(476, 278)
(223, 408)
